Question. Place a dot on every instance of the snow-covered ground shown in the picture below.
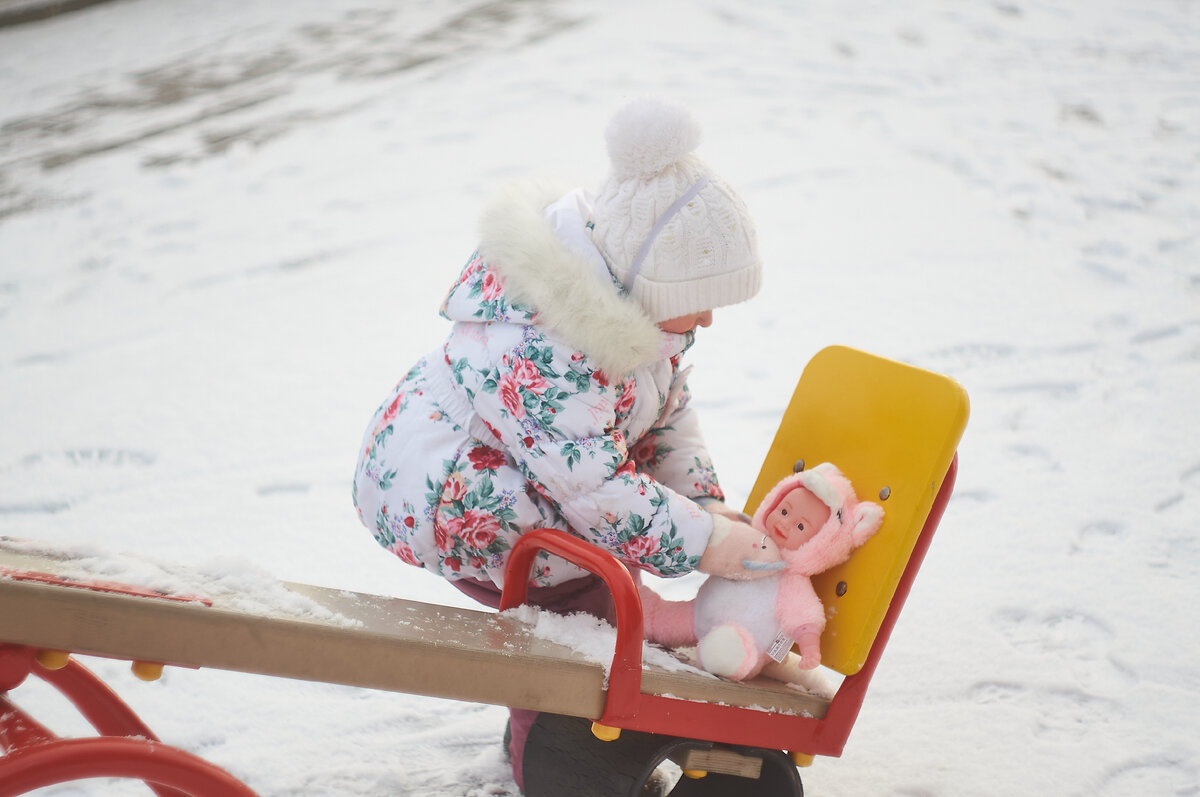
(225, 227)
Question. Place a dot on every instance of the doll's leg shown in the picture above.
(729, 651)
(670, 623)
(792, 671)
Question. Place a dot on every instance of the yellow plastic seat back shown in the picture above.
(893, 430)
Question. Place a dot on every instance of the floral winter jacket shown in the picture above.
(554, 402)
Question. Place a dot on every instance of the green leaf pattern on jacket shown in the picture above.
(578, 451)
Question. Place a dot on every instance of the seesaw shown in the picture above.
(892, 428)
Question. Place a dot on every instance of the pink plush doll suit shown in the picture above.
(742, 628)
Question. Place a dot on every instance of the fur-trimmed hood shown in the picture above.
(556, 285)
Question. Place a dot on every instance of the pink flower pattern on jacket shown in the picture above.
(572, 449)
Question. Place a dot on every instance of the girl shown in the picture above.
(558, 399)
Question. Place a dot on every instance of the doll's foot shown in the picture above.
(791, 671)
(729, 651)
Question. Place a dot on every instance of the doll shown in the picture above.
(742, 628)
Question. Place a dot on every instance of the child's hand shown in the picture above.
(738, 551)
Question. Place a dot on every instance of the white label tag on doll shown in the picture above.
(780, 647)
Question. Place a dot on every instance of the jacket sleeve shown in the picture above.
(673, 451)
(557, 419)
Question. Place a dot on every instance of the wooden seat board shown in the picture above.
(369, 641)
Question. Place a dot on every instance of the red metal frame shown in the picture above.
(169, 771)
(626, 707)
(97, 585)
(32, 756)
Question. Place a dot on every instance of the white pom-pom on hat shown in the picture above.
(648, 135)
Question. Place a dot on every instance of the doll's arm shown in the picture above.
(802, 617)
(808, 639)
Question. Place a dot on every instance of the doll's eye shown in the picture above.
(800, 526)
(783, 512)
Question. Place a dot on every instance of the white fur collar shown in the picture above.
(576, 305)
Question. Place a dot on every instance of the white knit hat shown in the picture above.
(675, 235)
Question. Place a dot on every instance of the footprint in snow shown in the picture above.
(90, 457)
(1098, 534)
(1190, 479)
(1035, 455)
(1062, 713)
(1161, 774)
(1071, 643)
(282, 488)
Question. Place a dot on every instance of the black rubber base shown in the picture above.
(562, 757)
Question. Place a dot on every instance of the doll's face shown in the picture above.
(797, 519)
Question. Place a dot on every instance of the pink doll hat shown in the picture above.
(851, 522)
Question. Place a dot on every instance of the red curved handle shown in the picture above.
(66, 760)
(31, 756)
(625, 676)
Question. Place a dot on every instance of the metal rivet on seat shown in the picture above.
(841, 588)
(884, 493)
(799, 466)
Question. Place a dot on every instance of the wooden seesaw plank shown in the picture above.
(357, 640)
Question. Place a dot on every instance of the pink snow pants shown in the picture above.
(588, 594)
